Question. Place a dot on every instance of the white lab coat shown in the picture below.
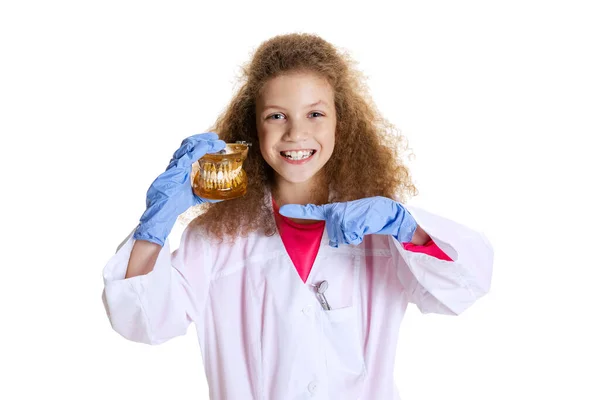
(262, 332)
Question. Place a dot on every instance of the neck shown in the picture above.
(313, 191)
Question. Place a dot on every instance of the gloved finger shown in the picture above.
(355, 226)
(191, 142)
(192, 152)
(204, 136)
(203, 148)
(333, 231)
(184, 149)
(309, 211)
(354, 238)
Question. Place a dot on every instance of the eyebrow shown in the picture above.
(308, 106)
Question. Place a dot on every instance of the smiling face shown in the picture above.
(296, 121)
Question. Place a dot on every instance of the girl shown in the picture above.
(298, 288)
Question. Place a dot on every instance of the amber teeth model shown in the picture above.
(221, 175)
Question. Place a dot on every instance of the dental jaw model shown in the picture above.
(220, 176)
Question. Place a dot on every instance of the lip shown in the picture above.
(297, 150)
(298, 162)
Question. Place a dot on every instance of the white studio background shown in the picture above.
(499, 101)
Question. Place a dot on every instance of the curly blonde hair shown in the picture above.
(368, 148)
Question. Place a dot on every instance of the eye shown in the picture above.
(275, 115)
(317, 113)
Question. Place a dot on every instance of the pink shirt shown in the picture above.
(302, 242)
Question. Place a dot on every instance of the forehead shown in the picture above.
(301, 87)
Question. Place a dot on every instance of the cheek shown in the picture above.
(330, 147)
(266, 155)
(328, 138)
(329, 144)
(264, 149)
(268, 138)
(265, 146)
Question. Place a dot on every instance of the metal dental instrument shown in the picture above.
(321, 288)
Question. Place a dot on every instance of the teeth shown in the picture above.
(297, 155)
(221, 176)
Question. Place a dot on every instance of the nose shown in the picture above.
(297, 131)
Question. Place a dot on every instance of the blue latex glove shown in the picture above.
(349, 222)
(171, 193)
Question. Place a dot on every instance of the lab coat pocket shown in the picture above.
(344, 355)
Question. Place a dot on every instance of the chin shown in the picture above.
(296, 174)
(296, 178)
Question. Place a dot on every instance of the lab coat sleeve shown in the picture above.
(440, 286)
(428, 248)
(160, 305)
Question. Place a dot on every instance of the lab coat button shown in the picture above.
(308, 310)
(312, 387)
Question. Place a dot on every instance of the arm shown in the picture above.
(422, 243)
(433, 283)
(437, 285)
(420, 237)
(153, 302)
(151, 295)
(143, 258)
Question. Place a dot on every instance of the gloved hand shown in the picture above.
(171, 193)
(348, 222)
